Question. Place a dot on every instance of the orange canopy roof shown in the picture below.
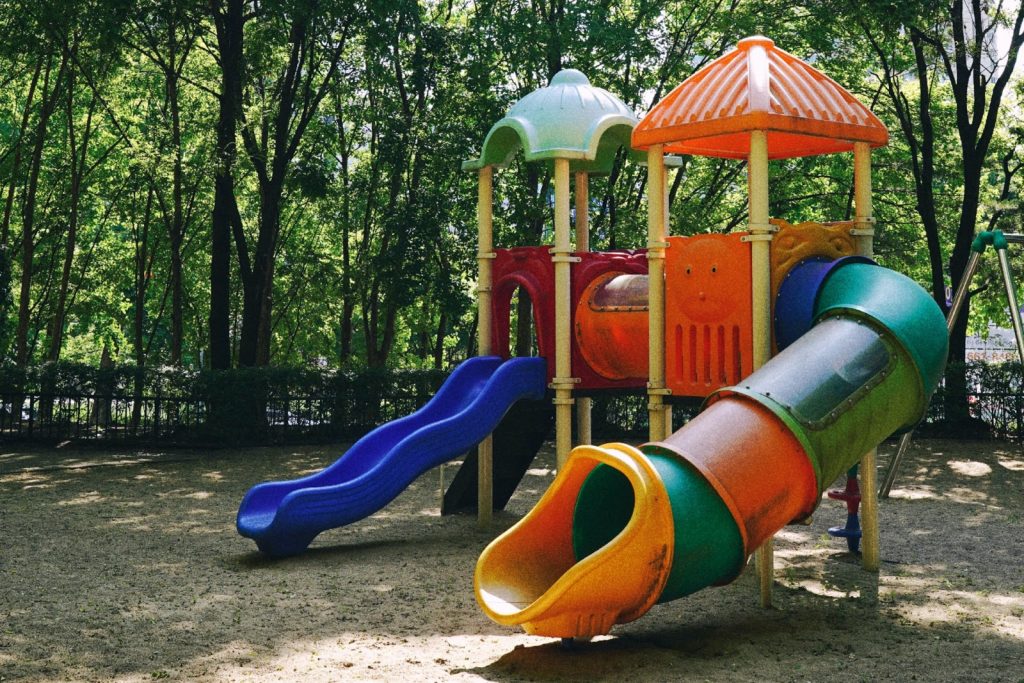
(757, 86)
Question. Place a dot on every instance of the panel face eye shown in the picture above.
(709, 292)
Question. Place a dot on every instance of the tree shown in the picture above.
(167, 36)
(946, 46)
(280, 100)
(229, 17)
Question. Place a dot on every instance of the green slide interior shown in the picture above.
(708, 546)
(603, 508)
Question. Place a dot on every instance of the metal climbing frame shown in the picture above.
(999, 242)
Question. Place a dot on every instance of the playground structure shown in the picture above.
(860, 349)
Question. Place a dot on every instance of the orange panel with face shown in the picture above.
(708, 321)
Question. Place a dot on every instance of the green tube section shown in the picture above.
(894, 313)
(708, 548)
(864, 371)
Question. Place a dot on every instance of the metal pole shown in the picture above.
(562, 257)
(954, 312)
(656, 245)
(761, 229)
(1011, 297)
(581, 182)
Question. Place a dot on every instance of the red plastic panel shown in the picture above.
(708, 323)
(594, 265)
(530, 268)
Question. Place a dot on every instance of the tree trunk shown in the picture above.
(230, 25)
(254, 347)
(46, 109)
(103, 401)
(347, 295)
(16, 165)
(142, 261)
(79, 160)
(177, 221)
(442, 332)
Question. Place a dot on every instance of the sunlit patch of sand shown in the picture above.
(969, 468)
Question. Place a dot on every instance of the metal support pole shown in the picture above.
(656, 244)
(954, 313)
(1011, 298)
(562, 257)
(864, 226)
(757, 177)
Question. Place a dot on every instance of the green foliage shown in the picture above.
(374, 252)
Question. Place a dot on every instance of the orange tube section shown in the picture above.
(611, 326)
(753, 461)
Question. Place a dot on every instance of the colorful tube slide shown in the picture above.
(621, 528)
(284, 517)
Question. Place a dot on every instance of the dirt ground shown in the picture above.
(127, 567)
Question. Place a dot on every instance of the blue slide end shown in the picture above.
(283, 517)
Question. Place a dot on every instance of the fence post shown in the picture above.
(287, 413)
(156, 413)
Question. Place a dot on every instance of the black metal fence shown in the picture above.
(168, 406)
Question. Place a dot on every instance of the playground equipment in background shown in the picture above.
(859, 351)
(851, 496)
(1000, 242)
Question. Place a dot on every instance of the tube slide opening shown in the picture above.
(535, 575)
(603, 509)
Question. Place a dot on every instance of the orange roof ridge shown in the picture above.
(758, 86)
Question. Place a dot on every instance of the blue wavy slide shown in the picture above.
(283, 517)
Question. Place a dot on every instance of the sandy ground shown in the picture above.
(127, 567)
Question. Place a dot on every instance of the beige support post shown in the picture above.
(562, 257)
(485, 253)
(864, 230)
(656, 244)
(666, 217)
(760, 235)
(584, 405)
